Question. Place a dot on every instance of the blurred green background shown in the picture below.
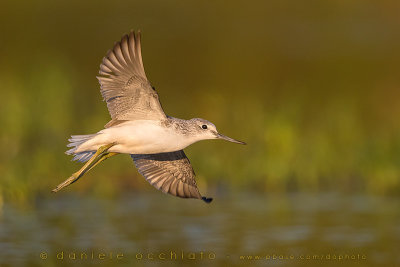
(311, 86)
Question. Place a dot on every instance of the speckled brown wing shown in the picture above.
(170, 172)
(124, 85)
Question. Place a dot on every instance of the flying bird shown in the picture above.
(139, 127)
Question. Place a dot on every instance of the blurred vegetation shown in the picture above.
(313, 87)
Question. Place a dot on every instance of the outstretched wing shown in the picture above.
(169, 172)
(124, 85)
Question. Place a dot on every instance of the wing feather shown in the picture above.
(170, 172)
(124, 85)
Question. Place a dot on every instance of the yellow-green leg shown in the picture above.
(100, 155)
(103, 158)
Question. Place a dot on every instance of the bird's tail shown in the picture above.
(75, 142)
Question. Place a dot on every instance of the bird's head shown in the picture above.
(207, 130)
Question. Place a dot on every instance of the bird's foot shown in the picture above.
(74, 177)
(100, 155)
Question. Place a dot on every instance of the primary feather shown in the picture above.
(124, 85)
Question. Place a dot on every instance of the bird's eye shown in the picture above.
(204, 126)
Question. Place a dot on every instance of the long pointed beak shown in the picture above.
(224, 137)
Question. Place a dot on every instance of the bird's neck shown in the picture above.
(183, 127)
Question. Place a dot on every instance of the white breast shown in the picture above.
(143, 137)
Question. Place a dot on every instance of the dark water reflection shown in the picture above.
(231, 226)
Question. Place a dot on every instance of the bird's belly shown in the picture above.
(145, 138)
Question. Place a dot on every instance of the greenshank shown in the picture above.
(139, 127)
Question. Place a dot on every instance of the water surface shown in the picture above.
(155, 229)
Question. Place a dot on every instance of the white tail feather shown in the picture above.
(75, 142)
